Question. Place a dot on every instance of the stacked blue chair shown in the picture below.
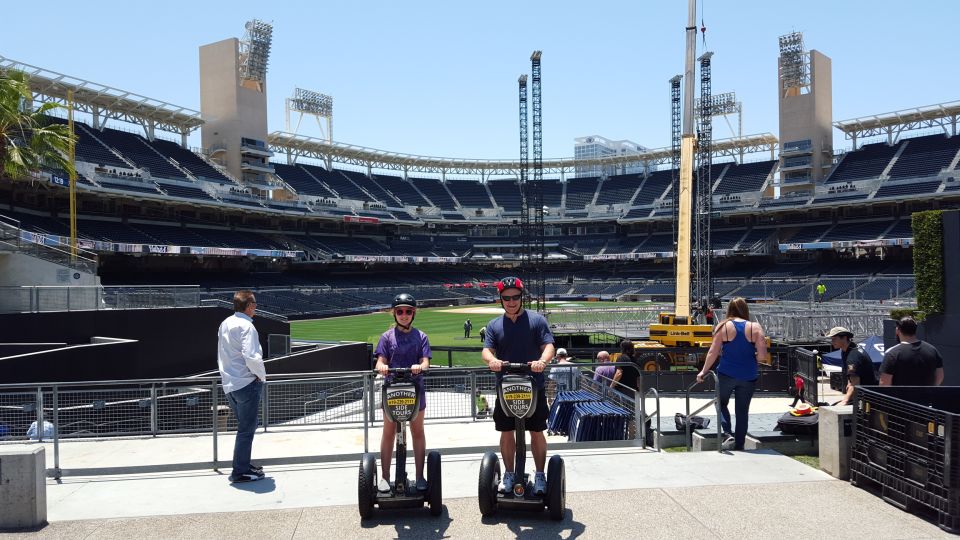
(598, 421)
(562, 409)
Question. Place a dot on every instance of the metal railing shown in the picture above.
(58, 412)
(716, 405)
(39, 298)
(46, 247)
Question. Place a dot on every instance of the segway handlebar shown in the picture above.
(515, 367)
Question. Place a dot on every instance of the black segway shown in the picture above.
(517, 395)
(401, 404)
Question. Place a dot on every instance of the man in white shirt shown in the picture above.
(240, 359)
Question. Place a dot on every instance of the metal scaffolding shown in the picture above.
(534, 195)
(675, 155)
(702, 194)
(525, 233)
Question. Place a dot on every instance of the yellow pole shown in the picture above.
(685, 216)
(73, 179)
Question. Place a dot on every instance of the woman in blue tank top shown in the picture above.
(740, 344)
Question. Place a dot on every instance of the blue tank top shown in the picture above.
(739, 357)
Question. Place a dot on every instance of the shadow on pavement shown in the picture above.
(411, 522)
(538, 525)
(260, 486)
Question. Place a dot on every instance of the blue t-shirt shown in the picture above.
(519, 342)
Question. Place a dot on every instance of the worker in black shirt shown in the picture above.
(856, 365)
(911, 362)
(626, 376)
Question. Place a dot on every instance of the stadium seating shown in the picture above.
(619, 189)
(371, 186)
(864, 230)
(552, 191)
(867, 162)
(507, 194)
(89, 149)
(187, 160)
(808, 234)
(341, 184)
(925, 156)
(908, 188)
(184, 190)
(135, 148)
(470, 193)
(402, 190)
(301, 180)
(437, 193)
(745, 177)
(654, 187)
(580, 192)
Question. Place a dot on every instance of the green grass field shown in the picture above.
(443, 328)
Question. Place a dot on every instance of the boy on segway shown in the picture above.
(522, 337)
(403, 346)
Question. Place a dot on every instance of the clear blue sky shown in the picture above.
(440, 78)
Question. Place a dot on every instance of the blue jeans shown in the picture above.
(245, 403)
(744, 393)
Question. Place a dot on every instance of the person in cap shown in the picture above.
(857, 366)
(520, 336)
(564, 377)
(911, 362)
(403, 346)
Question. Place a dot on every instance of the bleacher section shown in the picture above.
(301, 180)
(434, 190)
(552, 191)
(338, 182)
(864, 230)
(908, 188)
(653, 188)
(184, 190)
(370, 186)
(619, 189)
(188, 160)
(925, 156)
(136, 149)
(402, 189)
(746, 177)
(867, 162)
(470, 193)
(88, 149)
(507, 194)
(580, 192)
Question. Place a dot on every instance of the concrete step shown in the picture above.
(786, 444)
(705, 441)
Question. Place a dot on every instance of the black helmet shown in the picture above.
(510, 282)
(404, 299)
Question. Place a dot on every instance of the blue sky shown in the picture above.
(440, 78)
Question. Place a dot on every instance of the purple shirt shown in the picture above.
(604, 371)
(403, 349)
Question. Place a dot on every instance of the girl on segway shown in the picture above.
(403, 346)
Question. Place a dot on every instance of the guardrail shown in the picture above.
(716, 405)
(57, 412)
(38, 298)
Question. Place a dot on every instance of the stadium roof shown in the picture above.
(106, 101)
(299, 145)
(891, 124)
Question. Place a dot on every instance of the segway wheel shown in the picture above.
(556, 488)
(435, 498)
(487, 486)
(367, 488)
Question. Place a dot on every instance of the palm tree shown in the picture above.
(28, 141)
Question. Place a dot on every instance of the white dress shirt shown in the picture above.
(238, 353)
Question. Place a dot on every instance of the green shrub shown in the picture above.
(900, 313)
(928, 260)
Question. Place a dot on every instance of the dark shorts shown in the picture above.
(537, 422)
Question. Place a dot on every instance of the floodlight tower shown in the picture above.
(674, 155)
(535, 194)
(313, 103)
(233, 103)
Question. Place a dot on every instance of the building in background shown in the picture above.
(595, 146)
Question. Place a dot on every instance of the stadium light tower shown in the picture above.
(255, 52)
(313, 103)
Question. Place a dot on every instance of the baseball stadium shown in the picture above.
(128, 224)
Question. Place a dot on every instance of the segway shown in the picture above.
(518, 395)
(401, 404)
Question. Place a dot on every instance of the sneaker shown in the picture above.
(256, 469)
(383, 486)
(506, 483)
(539, 484)
(246, 477)
(728, 444)
(421, 485)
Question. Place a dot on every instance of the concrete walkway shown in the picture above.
(623, 493)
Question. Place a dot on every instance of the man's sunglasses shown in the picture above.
(405, 311)
(511, 298)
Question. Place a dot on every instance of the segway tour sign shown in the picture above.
(518, 397)
(401, 401)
